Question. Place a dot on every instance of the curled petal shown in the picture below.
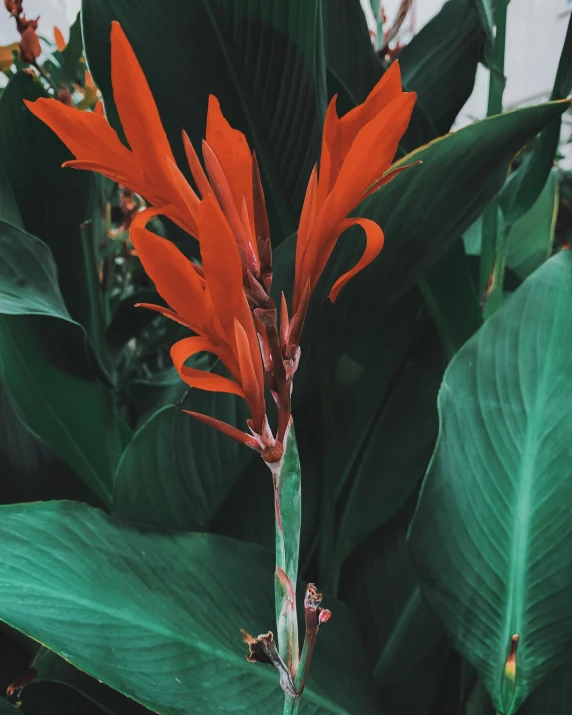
(209, 381)
(374, 244)
(166, 313)
(175, 277)
(226, 429)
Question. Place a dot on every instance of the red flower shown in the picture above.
(357, 152)
(226, 301)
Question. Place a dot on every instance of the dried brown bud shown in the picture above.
(30, 48)
(262, 649)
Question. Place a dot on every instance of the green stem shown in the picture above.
(288, 512)
(97, 325)
(489, 278)
(291, 704)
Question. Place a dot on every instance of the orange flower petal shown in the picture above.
(223, 273)
(86, 134)
(233, 153)
(59, 38)
(371, 153)
(385, 91)
(223, 193)
(328, 163)
(374, 244)
(165, 312)
(138, 112)
(249, 379)
(304, 233)
(228, 430)
(202, 379)
(196, 168)
(175, 277)
(187, 196)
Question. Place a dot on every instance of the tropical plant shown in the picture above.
(263, 221)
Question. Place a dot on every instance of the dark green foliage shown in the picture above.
(127, 594)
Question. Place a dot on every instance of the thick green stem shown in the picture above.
(291, 704)
(288, 512)
(489, 277)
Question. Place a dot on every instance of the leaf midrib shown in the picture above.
(520, 539)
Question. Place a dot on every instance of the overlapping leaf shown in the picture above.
(157, 616)
(491, 533)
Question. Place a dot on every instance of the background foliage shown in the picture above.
(146, 592)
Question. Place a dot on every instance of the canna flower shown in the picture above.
(226, 301)
(357, 152)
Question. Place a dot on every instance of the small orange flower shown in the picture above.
(226, 301)
(59, 39)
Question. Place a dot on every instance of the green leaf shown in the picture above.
(391, 463)
(404, 639)
(440, 64)
(490, 536)
(450, 295)
(59, 681)
(176, 471)
(264, 61)
(72, 55)
(553, 696)
(157, 616)
(530, 240)
(30, 470)
(52, 202)
(349, 53)
(526, 183)
(422, 212)
(48, 366)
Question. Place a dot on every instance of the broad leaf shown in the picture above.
(491, 532)
(263, 59)
(404, 639)
(157, 617)
(49, 368)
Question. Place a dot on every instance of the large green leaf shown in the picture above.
(491, 533)
(404, 640)
(422, 212)
(52, 202)
(157, 617)
(390, 462)
(48, 367)
(263, 59)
